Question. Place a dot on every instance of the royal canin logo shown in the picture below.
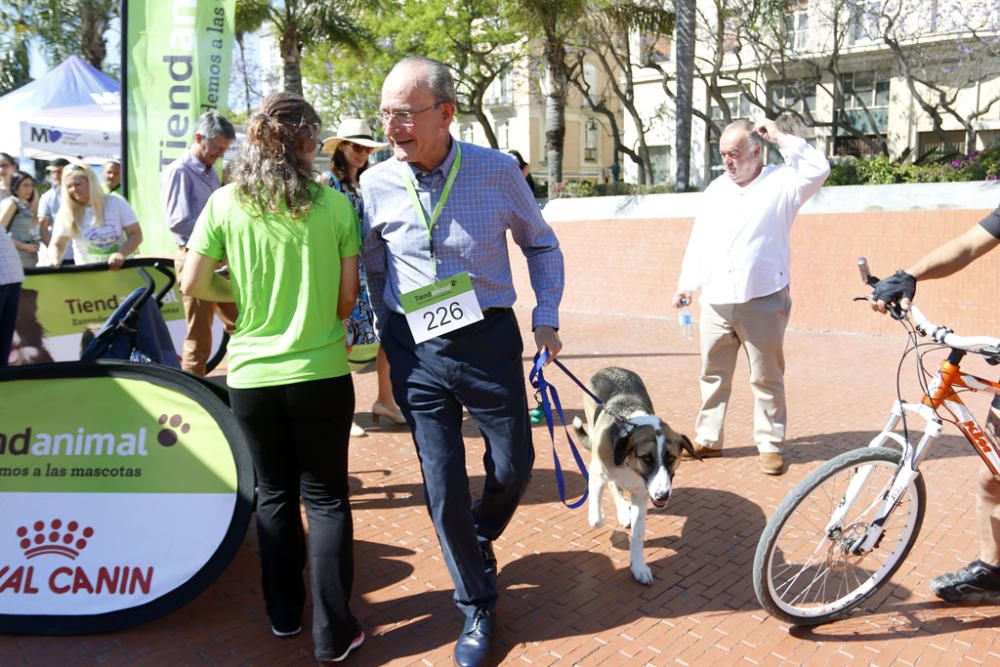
(67, 539)
(57, 538)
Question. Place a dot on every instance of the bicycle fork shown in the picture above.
(906, 472)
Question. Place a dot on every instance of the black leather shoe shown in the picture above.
(490, 560)
(473, 645)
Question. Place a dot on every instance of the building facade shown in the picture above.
(902, 78)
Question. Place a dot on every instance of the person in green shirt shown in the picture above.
(292, 249)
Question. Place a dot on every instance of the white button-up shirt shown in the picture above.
(740, 244)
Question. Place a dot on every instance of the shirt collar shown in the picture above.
(189, 158)
(444, 168)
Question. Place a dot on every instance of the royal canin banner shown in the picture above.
(125, 490)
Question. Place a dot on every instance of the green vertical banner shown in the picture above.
(177, 59)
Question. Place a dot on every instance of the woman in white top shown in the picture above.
(102, 227)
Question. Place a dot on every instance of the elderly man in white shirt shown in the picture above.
(739, 256)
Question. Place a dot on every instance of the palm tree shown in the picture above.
(685, 12)
(553, 21)
(302, 24)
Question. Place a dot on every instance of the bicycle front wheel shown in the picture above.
(805, 573)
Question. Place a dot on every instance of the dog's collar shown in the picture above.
(636, 421)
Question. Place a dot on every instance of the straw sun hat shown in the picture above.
(354, 130)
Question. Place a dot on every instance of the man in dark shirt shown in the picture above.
(978, 581)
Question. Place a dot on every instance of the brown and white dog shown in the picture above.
(632, 450)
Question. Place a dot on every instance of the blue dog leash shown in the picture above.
(544, 390)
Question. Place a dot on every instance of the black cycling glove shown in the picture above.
(894, 288)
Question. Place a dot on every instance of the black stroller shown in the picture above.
(136, 331)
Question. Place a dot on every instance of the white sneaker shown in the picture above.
(357, 431)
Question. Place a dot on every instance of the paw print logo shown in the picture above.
(171, 425)
(67, 539)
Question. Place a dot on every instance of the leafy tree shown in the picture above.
(300, 25)
(604, 36)
(74, 27)
(14, 67)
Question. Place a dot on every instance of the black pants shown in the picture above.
(478, 367)
(298, 436)
(10, 294)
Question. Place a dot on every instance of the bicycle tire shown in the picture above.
(829, 581)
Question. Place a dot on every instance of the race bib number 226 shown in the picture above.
(441, 307)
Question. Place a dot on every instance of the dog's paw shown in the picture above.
(624, 517)
(642, 573)
(595, 519)
(577, 423)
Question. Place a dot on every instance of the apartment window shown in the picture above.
(863, 21)
(590, 81)
(503, 134)
(501, 91)
(590, 141)
(468, 133)
(739, 106)
(797, 96)
(659, 158)
(797, 25)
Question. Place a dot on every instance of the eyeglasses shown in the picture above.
(404, 118)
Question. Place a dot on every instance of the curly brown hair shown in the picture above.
(272, 172)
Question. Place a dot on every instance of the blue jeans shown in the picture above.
(479, 368)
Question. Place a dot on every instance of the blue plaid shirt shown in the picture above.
(489, 197)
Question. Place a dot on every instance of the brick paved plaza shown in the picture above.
(566, 595)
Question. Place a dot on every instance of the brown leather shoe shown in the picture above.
(702, 452)
(771, 463)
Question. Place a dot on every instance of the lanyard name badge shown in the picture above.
(448, 304)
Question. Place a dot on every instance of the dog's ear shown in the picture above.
(686, 444)
(622, 442)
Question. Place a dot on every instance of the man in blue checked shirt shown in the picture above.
(436, 220)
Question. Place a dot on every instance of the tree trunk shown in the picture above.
(93, 24)
(685, 10)
(291, 56)
(555, 116)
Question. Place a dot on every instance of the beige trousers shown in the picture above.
(200, 315)
(758, 327)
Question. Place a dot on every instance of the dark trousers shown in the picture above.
(479, 368)
(10, 295)
(298, 436)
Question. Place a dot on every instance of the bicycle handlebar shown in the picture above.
(985, 345)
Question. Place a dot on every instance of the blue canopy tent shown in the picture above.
(74, 110)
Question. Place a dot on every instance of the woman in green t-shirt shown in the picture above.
(292, 249)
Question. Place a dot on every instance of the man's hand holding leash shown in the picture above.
(547, 338)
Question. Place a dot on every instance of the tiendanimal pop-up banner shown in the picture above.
(60, 308)
(125, 489)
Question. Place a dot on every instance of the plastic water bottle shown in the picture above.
(684, 320)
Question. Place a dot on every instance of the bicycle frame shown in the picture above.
(941, 393)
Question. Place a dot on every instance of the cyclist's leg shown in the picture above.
(979, 581)
(719, 349)
(761, 325)
(988, 498)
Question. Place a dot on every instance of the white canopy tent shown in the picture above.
(74, 110)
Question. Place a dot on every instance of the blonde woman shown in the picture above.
(102, 227)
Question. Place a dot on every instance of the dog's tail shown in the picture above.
(581, 432)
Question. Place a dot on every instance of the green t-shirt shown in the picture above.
(286, 281)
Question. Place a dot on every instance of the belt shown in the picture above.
(493, 312)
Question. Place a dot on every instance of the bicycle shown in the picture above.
(840, 535)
